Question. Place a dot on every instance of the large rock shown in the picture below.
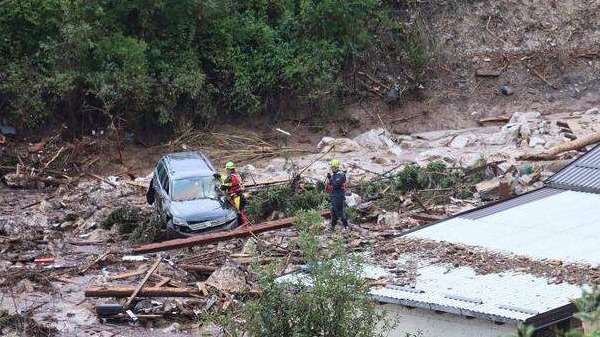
(439, 154)
(508, 135)
(462, 141)
(340, 145)
(353, 200)
(230, 278)
(378, 139)
(525, 117)
(391, 219)
(493, 189)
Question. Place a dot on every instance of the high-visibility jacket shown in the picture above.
(233, 183)
(335, 184)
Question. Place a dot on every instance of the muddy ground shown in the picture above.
(546, 52)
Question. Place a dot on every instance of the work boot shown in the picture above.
(345, 224)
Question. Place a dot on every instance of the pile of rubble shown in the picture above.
(59, 265)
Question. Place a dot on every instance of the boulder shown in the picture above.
(508, 135)
(536, 141)
(413, 144)
(524, 117)
(173, 328)
(340, 145)
(462, 141)
(248, 168)
(436, 155)
(391, 219)
(377, 139)
(353, 200)
(493, 189)
(230, 278)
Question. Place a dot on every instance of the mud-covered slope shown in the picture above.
(546, 52)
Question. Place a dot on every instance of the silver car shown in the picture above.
(186, 192)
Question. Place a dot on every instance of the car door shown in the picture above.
(162, 187)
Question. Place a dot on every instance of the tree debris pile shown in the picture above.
(483, 262)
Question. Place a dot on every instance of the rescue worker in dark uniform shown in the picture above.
(232, 185)
(335, 185)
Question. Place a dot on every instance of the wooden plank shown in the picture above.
(141, 285)
(145, 292)
(426, 217)
(100, 258)
(164, 281)
(218, 236)
(126, 275)
(197, 268)
(482, 72)
(499, 118)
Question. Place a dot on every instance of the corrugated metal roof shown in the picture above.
(563, 226)
(503, 297)
(510, 203)
(581, 175)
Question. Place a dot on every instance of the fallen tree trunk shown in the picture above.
(144, 292)
(218, 236)
(575, 144)
(556, 150)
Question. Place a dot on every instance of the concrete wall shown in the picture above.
(426, 323)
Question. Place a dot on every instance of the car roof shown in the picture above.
(188, 164)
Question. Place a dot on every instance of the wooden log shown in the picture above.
(141, 285)
(499, 118)
(163, 282)
(197, 268)
(144, 292)
(426, 217)
(216, 237)
(487, 72)
(575, 144)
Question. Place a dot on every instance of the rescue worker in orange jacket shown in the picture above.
(231, 183)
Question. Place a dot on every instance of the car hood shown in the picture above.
(200, 209)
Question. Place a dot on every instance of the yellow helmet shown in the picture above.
(230, 165)
(334, 163)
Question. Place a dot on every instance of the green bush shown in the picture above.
(152, 231)
(283, 199)
(126, 219)
(334, 303)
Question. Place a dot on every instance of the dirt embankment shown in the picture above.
(546, 52)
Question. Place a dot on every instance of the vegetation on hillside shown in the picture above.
(139, 65)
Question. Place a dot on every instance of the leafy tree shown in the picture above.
(144, 64)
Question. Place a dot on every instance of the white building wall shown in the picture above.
(426, 323)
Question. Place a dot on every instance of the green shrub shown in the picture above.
(152, 231)
(126, 218)
(334, 303)
(284, 199)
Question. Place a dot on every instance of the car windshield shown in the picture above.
(194, 188)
